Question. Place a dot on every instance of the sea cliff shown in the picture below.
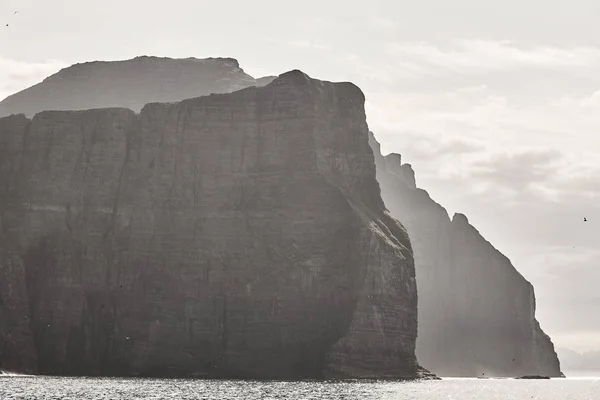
(476, 311)
(231, 235)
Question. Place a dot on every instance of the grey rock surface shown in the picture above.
(231, 235)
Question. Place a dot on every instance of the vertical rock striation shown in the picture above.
(232, 235)
(476, 312)
(16, 342)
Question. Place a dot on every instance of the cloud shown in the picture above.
(18, 75)
(383, 23)
(309, 44)
(587, 183)
(550, 143)
(517, 171)
(432, 146)
(468, 56)
(308, 35)
(312, 24)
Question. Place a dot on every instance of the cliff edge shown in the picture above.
(476, 311)
(130, 84)
(231, 235)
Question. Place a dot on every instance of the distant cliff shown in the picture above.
(476, 312)
(130, 84)
(232, 235)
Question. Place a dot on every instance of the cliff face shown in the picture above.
(16, 341)
(130, 84)
(233, 235)
(476, 312)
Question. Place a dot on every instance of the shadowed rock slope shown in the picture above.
(232, 235)
(130, 84)
(476, 312)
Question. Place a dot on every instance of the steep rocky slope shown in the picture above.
(236, 234)
(130, 84)
(476, 312)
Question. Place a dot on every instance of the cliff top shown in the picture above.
(136, 82)
(460, 218)
(136, 62)
(129, 83)
(293, 77)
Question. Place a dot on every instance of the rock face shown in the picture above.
(16, 340)
(130, 84)
(233, 235)
(476, 312)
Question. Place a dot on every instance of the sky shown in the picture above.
(496, 104)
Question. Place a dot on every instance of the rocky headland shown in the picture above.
(231, 235)
(122, 208)
(476, 311)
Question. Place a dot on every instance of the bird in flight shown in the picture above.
(584, 219)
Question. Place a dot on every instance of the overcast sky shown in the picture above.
(495, 103)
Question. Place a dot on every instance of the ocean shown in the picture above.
(56, 388)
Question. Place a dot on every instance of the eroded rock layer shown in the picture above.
(233, 235)
(476, 311)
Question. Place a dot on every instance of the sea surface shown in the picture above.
(51, 388)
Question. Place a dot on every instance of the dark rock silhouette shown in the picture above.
(232, 235)
(476, 312)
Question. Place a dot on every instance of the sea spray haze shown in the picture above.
(476, 311)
